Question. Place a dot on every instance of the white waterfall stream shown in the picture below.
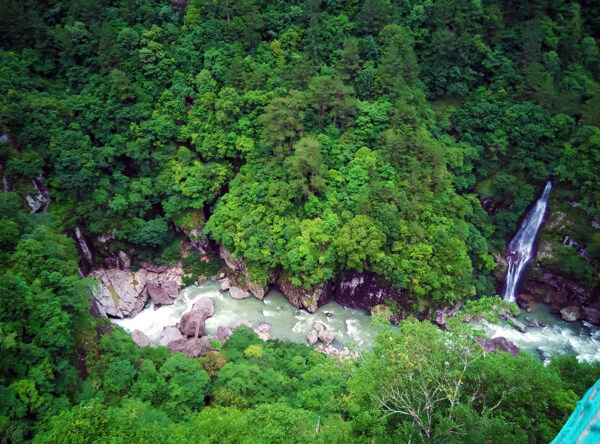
(520, 249)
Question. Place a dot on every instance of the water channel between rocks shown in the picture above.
(352, 327)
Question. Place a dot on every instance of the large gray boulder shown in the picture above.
(225, 284)
(498, 344)
(193, 348)
(162, 294)
(206, 306)
(140, 338)
(238, 293)
(326, 337)
(312, 337)
(192, 324)
(169, 334)
(263, 331)
(570, 314)
(122, 293)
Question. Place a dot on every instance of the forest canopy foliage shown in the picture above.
(404, 138)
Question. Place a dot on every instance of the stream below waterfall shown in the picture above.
(352, 327)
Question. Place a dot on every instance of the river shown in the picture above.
(352, 327)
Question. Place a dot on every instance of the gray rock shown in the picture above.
(327, 337)
(319, 326)
(206, 306)
(238, 293)
(236, 324)
(496, 344)
(516, 324)
(122, 293)
(140, 338)
(312, 337)
(443, 314)
(169, 334)
(192, 324)
(223, 333)
(162, 294)
(264, 331)
(225, 284)
(191, 347)
(570, 314)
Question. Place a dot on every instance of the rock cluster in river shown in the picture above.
(124, 293)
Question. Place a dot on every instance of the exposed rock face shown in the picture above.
(499, 343)
(363, 290)
(124, 293)
(140, 338)
(238, 293)
(526, 301)
(300, 297)
(264, 331)
(242, 280)
(516, 324)
(192, 324)
(41, 198)
(206, 306)
(570, 314)
(223, 333)
(191, 347)
(162, 294)
(169, 334)
(225, 284)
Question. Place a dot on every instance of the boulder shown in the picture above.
(192, 324)
(498, 344)
(169, 334)
(140, 338)
(225, 284)
(162, 294)
(238, 293)
(236, 324)
(264, 331)
(570, 314)
(319, 326)
(299, 297)
(312, 337)
(122, 293)
(205, 305)
(223, 333)
(326, 337)
(516, 324)
(591, 314)
(193, 348)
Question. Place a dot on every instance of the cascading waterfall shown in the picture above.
(520, 249)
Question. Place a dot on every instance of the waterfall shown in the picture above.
(520, 248)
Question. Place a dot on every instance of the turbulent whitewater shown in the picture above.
(520, 248)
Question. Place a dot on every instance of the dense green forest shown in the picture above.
(401, 137)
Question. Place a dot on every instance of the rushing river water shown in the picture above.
(351, 327)
(556, 338)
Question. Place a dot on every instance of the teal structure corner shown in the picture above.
(583, 427)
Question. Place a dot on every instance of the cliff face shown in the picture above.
(564, 271)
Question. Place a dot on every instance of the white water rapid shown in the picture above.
(520, 248)
(351, 327)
